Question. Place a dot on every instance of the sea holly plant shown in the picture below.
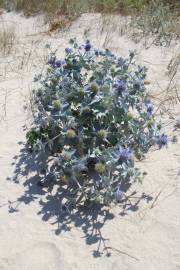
(93, 120)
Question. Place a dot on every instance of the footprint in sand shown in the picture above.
(42, 256)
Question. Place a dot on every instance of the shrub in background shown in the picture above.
(94, 118)
(160, 21)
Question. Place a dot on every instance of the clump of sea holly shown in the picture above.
(94, 117)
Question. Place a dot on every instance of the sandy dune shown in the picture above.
(33, 236)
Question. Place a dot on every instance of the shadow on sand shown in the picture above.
(90, 220)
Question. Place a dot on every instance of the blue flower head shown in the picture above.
(137, 85)
(52, 60)
(121, 86)
(87, 46)
(68, 50)
(119, 195)
(162, 140)
(124, 154)
(120, 61)
(60, 63)
(96, 52)
(149, 108)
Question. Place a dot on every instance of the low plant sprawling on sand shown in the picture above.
(93, 119)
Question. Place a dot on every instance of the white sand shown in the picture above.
(148, 238)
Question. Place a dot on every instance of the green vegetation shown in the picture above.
(75, 7)
(160, 21)
(159, 17)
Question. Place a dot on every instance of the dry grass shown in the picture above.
(160, 21)
(7, 39)
(158, 18)
(168, 99)
(73, 6)
(76, 6)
